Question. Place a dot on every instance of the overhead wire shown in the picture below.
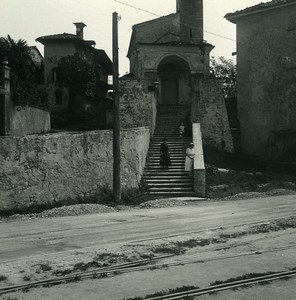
(160, 16)
(195, 27)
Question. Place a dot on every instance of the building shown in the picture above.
(66, 105)
(170, 50)
(266, 68)
(169, 55)
(36, 56)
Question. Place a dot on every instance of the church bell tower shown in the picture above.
(191, 20)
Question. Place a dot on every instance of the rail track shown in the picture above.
(225, 286)
(140, 265)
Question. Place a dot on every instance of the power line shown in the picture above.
(159, 16)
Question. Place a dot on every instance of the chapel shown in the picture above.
(171, 51)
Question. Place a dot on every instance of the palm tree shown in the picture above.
(17, 53)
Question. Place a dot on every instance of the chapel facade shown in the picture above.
(171, 51)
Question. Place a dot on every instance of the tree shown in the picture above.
(25, 76)
(80, 74)
(225, 69)
(17, 53)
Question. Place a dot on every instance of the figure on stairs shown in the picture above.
(165, 160)
(189, 159)
(181, 130)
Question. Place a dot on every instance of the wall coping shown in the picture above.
(76, 133)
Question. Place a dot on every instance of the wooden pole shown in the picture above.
(116, 122)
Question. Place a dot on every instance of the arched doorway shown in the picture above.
(174, 79)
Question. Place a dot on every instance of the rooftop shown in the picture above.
(63, 37)
(259, 7)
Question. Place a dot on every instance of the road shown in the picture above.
(33, 249)
(29, 238)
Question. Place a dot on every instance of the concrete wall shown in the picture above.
(137, 106)
(266, 66)
(199, 171)
(41, 169)
(208, 108)
(28, 120)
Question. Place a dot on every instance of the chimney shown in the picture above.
(79, 29)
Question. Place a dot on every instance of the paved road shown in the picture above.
(24, 239)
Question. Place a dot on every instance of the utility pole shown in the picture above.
(116, 122)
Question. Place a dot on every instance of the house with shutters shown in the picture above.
(266, 69)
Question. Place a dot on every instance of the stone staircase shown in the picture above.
(173, 181)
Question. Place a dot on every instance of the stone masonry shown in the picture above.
(44, 169)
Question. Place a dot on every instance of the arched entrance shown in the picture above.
(174, 79)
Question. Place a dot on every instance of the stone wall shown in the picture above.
(28, 120)
(137, 106)
(43, 169)
(209, 109)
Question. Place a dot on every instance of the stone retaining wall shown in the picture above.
(43, 169)
(208, 109)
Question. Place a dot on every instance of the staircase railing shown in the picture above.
(199, 172)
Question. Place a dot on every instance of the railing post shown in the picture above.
(5, 100)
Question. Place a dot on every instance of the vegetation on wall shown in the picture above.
(225, 69)
(80, 74)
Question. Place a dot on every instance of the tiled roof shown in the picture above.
(62, 36)
(258, 7)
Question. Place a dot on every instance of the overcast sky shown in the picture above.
(29, 19)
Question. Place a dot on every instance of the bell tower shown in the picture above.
(191, 20)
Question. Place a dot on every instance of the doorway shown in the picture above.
(169, 77)
(170, 91)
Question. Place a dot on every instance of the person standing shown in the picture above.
(181, 130)
(165, 160)
(189, 159)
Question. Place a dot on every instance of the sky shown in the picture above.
(29, 19)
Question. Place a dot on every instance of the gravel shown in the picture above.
(159, 203)
(83, 209)
(250, 195)
(76, 210)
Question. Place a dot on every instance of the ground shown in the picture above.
(199, 242)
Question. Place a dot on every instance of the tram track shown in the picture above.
(225, 286)
(140, 265)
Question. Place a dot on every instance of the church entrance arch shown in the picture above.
(173, 74)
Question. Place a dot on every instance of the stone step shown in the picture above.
(171, 189)
(173, 180)
(154, 186)
(173, 194)
(173, 159)
(169, 179)
(174, 163)
(164, 174)
(171, 142)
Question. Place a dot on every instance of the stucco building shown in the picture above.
(84, 106)
(266, 68)
(171, 50)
